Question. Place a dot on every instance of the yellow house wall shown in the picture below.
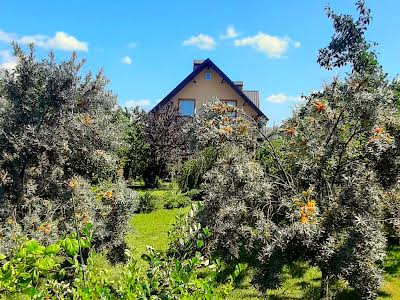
(203, 90)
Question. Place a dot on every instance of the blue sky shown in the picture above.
(146, 47)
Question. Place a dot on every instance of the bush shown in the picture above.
(237, 200)
(155, 143)
(187, 236)
(59, 134)
(56, 272)
(147, 202)
(195, 194)
(175, 199)
(194, 169)
(38, 271)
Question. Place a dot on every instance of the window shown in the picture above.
(231, 103)
(208, 76)
(187, 107)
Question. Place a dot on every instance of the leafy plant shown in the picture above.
(174, 199)
(328, 182)
(194, 169)
(154, 143)
(187, 236)
(32, 268)
(55, 271)
(59, 134)
(147, 203)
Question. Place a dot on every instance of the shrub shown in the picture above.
(331, 178)
(195, 194)
(39, 272)
(237, 202)
(194, 169)
(155, 143)
(58, 130)
(175, 199)
(56, 271)
(147, 202)
(187, 236)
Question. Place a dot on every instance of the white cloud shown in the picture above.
(7, 37)
(296, 44)
(7, 61)
(142, 103)
(272, 46)
(282, 98)
(132, 45)
(201, 41)
(60, 41)
(126, 60)
(230, 33)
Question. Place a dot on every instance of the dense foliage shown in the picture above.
(194, 169)
(322, 190)
(58, 136)
(329, 178)
(56, 271)
(156, 144)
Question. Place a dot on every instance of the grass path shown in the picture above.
(152, 229)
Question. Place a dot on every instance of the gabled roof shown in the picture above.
(196, 71)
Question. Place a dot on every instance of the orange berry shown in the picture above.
(319, 106)
(228, 130)
(87, 120)
(72, 183)
(290, 131)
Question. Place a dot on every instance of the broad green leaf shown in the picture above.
(71, 246)
(32, 245)
(52, 249)
(46, 263)
(200, 243)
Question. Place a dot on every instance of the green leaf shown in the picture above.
(52, 249)
(200, 243)
(32, 245)
(85, 243)
(71, 246)
(146, 258)
(46, 263)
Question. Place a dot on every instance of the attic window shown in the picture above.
(208, 76)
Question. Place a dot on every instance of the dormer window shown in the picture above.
(207, 76)
(186, 107)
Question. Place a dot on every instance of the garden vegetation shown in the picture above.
(322, 191)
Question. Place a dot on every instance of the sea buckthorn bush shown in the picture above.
(320, 188)
(59, 135)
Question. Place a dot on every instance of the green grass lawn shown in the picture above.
(152, 229)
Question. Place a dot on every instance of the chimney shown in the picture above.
(196, 63)
(239, 84)
(254, 96)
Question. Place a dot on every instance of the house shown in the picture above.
(206, 82)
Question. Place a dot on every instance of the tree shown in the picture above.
(156, 143)
(58, 135)
(327, 173)
(135, 155)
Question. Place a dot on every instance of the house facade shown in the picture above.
(207, 82)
